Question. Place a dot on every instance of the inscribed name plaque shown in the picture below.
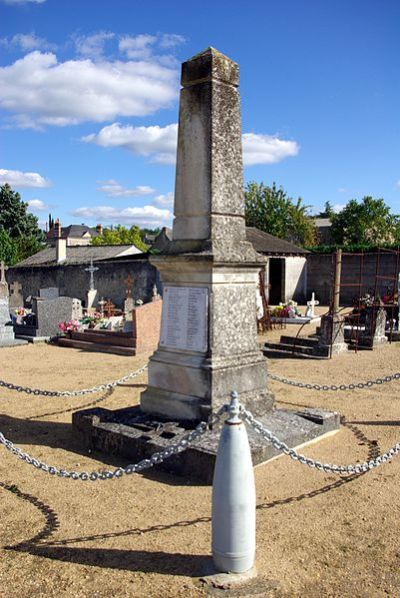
(184, 318)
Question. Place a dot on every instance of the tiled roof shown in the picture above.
(79, 254)
(270, 245)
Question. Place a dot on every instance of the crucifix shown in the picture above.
(92, 269)
(128, 281)
(3, 269)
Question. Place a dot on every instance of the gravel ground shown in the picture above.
(149, 535)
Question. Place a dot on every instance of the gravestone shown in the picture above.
(7, 338)
(16, 296)
(48, 313)
(208, 340)
(49, 293)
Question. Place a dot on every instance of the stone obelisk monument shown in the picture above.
(208, 341)
(208, 345)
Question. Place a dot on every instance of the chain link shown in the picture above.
(357, 468)
(334, 387)
(72, 393)
(172, 449)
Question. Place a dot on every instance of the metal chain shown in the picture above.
(72, 393)
(156, 458)
(357, 468)
(335, 387)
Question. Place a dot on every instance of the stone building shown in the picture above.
(286, 269)
(65, 266)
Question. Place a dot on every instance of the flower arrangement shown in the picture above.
(91, 319)
(288, 310)
(71, 326)
(20, 311)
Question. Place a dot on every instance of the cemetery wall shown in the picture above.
(320, 274)
(73, 280)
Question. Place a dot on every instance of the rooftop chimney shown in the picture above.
(99, 229)
(61, 244)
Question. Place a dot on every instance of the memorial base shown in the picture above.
(133, 435)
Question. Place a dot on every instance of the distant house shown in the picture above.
(74, 234)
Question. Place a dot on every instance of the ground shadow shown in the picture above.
(92, 403)
(133, 560)
(54, 435)
(393, 422)
(163, 563)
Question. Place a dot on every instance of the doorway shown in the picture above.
(276, 280)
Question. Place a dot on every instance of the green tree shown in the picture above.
(20, 235)
(270, 209)
(368, 222)
(328, 211)
(120, 235)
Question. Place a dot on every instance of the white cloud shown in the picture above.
(157, 143)
(343, 190)
(137, 46)
(164, 201)
(16, 178)
(26, 42)
(113, 188)
(92, 46)
(143, 46)
(398, 183)
(146, 216)
(37, 205)
(338, 207)
(170, 40)
(266, 149)
(39, 90)
(23, 1)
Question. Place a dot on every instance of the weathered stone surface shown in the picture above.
(331, 338)
(133, 435)
(209, 202)
(50, 312)
(49, 293)
(232, 359)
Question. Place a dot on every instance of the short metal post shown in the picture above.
(233, 498)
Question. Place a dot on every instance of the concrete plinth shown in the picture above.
(331, 336)
(132, 434)
(186, 384)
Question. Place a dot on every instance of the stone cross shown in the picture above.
(310, 313)
(92, 269)
(128, 281)
(3, 269)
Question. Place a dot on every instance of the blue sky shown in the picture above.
(89, 100)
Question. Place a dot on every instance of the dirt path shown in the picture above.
(149, 535)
